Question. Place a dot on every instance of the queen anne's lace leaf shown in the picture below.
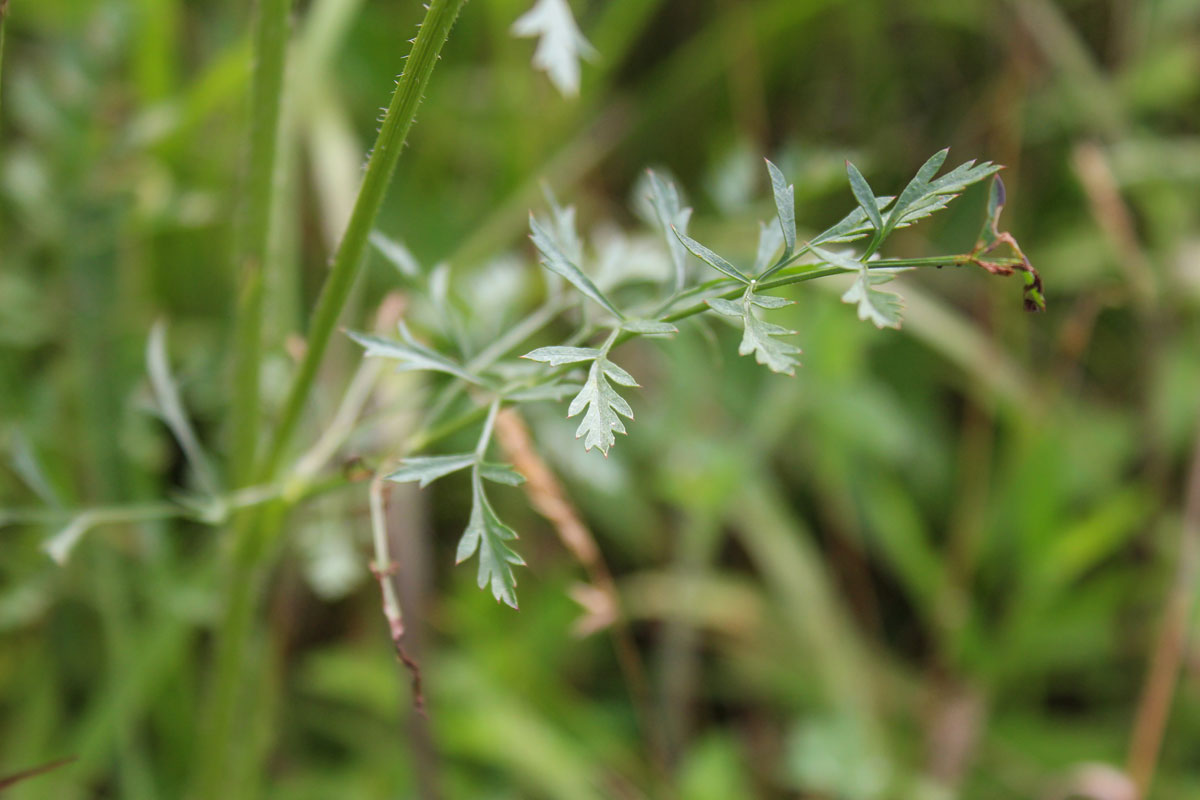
(925, 196)
(557, 262)
(879, 307)
(486, 534)
(785, 206)
(560, 44)
(411, 354)
(770, 239)
(712, 259)
(758, 337)
(664, 198)
(557, 356)
(603, 404)
(427, 469)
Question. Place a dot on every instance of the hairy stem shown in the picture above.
(252, 537)
(410, 89)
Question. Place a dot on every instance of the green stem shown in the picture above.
(254, 237)
(392, 135)
(432, 433)
(3, 17)
(253, 534)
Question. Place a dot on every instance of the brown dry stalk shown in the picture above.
(1159, 690)
(547, 496)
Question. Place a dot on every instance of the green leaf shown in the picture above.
(487, 535)
(864, 196)
(664, 198)
(59, 546)
(770, 239)
(758, 337)
(649, 327)
(881, 308)
(785, 207)
(712, 259)
(169, 405)
(427, 469)
(556, 391)
(924, 196)
(411, 354)
(557, 262)
(396, 254)
(601, 423)
(561, 45)
(557, 356)
(770, 301)
(500, 473)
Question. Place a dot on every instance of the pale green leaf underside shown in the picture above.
(557, 262)
(876, 306)
(411, 355)
(426, 469)
(561, 45)
(664, 197)
(557, 356)
(600, 423)
(487, 535)
(759, 337)
(712, 259)
(785, 207)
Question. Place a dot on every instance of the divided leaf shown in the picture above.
(785, 207)
(411, 354)
(712, 259)
(758, 337)
(603, 404)
(649, 327)
(557, 356)
(560, 44)
(864, 196)
(770, 239)
(487, 535)
(427, 469)
(664, 197)
(557, 262)
(922, 197)
(396, 254)
(879, 307)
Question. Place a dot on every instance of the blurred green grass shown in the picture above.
(933, 565)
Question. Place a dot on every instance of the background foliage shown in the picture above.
(933, 564)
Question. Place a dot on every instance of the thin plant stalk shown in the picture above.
(271, 23)
(401, 113)
(249, 547)
(3, 18)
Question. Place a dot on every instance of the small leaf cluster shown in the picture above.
(583, 367)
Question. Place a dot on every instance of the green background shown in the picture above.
(935, 564)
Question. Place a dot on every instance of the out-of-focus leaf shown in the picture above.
(427, 469)
(561, 45)
(412, 355)
(557, 262)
